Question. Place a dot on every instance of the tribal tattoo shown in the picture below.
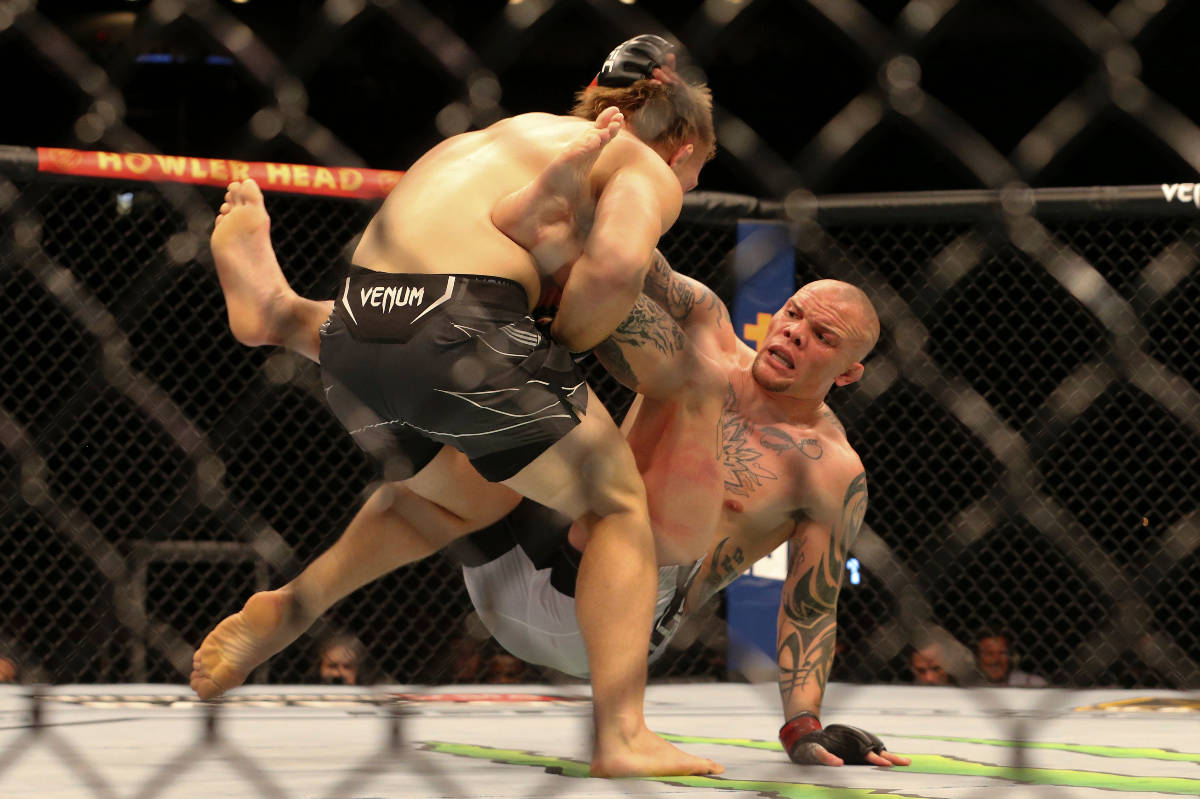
(725, 564)
(615, 362)
(809, 608)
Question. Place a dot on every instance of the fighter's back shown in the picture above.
(438, 218)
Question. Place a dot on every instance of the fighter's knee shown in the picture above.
(624, 498)
(612, 484)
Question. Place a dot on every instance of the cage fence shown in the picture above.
(149, 454)
(1029, 422)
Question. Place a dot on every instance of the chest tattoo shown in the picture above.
(778, 440)
(743, 471)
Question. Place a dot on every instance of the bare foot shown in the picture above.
(254, 286)
(550, 216)
(647, 755)
(265, 625)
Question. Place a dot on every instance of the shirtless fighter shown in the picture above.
(789, 475)
(476, 407)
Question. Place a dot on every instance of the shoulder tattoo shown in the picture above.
(832, 417)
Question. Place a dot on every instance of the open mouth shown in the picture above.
(780, 357)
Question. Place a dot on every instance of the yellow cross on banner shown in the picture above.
(756, 332)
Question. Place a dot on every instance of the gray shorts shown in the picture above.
(520, 574)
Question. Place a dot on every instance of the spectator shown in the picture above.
(340, 660)
(15, 665)
(503, 668)
(937, 658)
(928, 665)
(997, 664)
(466, 660)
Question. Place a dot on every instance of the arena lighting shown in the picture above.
(855, 569)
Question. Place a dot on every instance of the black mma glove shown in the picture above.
(634, 60)
(851, 744)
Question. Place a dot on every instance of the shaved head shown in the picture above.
(864, 321)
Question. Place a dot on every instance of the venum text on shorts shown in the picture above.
(388, 298)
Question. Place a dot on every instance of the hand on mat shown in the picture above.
(840, 744)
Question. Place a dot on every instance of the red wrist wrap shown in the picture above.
(797, 728)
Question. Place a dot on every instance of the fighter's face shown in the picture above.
(809, 342)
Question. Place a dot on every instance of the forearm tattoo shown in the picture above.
(678, 296)
(646, 327)
(809, 609)
(615, 363)
(726, 563)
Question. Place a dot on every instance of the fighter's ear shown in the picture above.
(682, 154)
(851, 375)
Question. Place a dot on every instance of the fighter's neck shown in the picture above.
(760, 405)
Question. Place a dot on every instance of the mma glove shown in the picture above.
(804, 732)
(634, 60)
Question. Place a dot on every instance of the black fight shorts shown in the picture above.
(414, 362)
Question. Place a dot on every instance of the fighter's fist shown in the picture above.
(807, 743)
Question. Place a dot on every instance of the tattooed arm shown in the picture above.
(636, 204)
(649, 353)
(807, 633)
(659, 345)
(694, 306)
(808, 610)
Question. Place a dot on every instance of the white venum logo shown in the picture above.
(390, 297)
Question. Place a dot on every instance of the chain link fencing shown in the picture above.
(1028, 423)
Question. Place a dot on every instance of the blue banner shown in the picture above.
(765, 266)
